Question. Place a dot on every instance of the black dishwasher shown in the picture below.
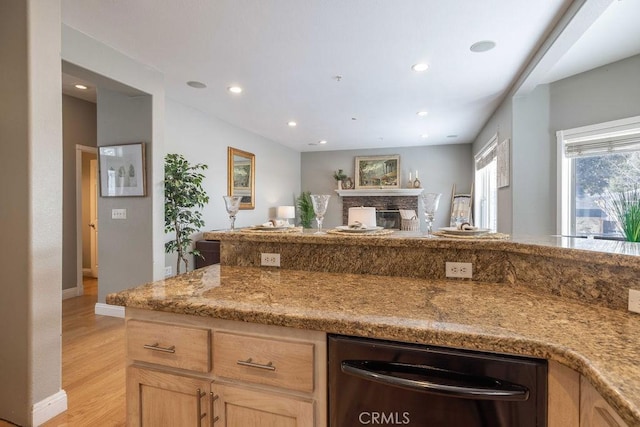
(382, 383)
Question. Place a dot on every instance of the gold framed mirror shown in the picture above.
(241, 176)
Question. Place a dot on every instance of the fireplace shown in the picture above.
(387, 206)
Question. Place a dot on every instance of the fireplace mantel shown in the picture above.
(380, 192)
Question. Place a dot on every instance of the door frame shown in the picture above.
(79, 224)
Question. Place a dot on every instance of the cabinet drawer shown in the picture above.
(266, 361)
(182, 347)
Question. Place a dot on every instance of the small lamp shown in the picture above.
(286, 212)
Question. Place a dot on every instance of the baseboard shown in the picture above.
(70, 292)
(109, 310)
(48, 408)
(86, 272)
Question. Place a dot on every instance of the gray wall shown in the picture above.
(124, 246)
(533, 165)
(78, 127)
(440, 166)
(607, 93)
(204, 139)
(30, 207)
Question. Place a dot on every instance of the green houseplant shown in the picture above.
(625, 208)
(183, 193)
(306, 209)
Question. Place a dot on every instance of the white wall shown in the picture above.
(439, 166)
(30, 211)
(202, 138)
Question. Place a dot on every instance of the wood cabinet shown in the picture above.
(185, 370)
(594, 411)
(156, 398)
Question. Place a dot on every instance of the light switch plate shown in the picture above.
(634, 300)
(118, 214)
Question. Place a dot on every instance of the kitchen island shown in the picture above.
(591, 336)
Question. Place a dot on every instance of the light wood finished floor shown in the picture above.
(93, 365)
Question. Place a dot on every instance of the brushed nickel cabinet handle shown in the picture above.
(156, 347)
(269, 366)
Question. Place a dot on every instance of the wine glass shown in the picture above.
(430, 203)
(232, 203)
(320, 202)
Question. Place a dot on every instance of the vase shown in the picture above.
(339, 184)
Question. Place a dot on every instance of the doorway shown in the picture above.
(87, 214)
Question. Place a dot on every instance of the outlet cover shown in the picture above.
(459, 270)
(168, 271)
(270, 260)
(634, 300)
(118, 214)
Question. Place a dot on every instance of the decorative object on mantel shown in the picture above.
(306, 209)
(362, 215)
(347, 184)
(182, 192)
(378, 172)
(339, 176)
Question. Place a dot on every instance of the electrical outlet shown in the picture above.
(270, 260)
(460, 270)
(634, 300)
(118, 214)
(168, 271)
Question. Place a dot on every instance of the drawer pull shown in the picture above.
(269, 366)
(156, 347)
(199, 396)
(212, 398)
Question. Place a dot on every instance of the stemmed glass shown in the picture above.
(232, 203)
(430, 203)
(320, 202)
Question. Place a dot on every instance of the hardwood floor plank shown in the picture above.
(93, 364)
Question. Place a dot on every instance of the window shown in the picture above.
(595, 162)
(486, 186)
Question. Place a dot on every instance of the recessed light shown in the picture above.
(421, 66)
(292, 124)
(234, 89)
(81, 87)
(322, 141)
(482, 46)
(452, 136)
(196, 85)
(422, 113)
(424, 136)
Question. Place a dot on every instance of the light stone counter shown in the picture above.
(601, 343)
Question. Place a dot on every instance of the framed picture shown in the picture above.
(378, 172)
(122, 170)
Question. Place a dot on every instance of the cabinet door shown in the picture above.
(242, 407)
(594, 411)
(157, 398)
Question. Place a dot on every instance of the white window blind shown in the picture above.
(614, 137)
(488, 153)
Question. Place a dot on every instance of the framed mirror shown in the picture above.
(241, 176)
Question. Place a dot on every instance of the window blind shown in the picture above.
(488, 153)
(602, 144)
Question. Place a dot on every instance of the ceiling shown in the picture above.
(287, 56)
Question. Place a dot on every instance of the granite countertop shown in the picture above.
(601, 343)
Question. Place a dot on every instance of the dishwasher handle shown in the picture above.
(427, 379)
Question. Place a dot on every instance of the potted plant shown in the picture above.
(182, 193)
(339, 176)
(625, 208)
(306, 209)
